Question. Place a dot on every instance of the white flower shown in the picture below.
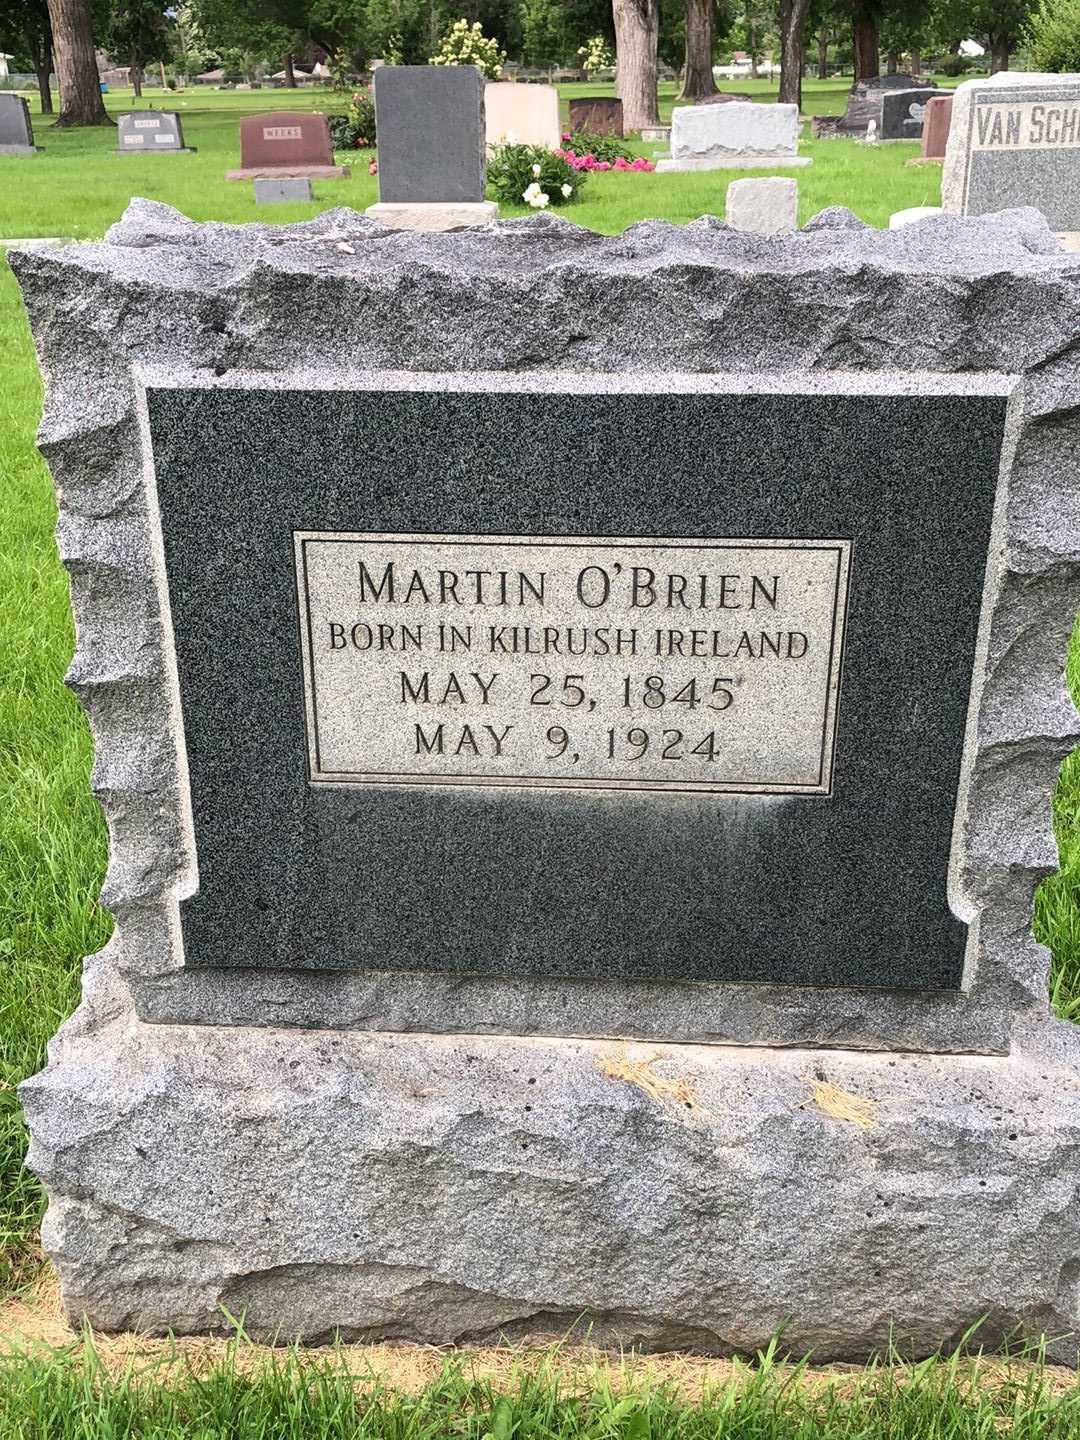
(536, 171)
(567, 191)
(531, 193)
(539, 200)
(511, 138)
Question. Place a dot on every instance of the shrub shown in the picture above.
(600, 147)
(1054, 36)
(531, 175)
(955, 65)
(355, 130)
(465, 44)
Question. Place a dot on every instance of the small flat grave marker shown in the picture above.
(599, 116)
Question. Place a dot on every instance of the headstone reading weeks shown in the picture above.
(528, 113)
(16, 131)
(459, 725)
(156, 131)
(290, 143)
(1015, 140)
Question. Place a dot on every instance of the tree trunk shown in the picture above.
(637, 33)
(751, 31)
(916, 62)
(136, 79)
(76, 66)
(41, 58)
(697, 76)
(792, 23)
(865, 36)
(290, 73)
(892, 63)
(999, 54)
(823, 55)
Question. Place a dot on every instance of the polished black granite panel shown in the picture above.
(848, 889)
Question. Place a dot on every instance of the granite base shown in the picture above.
(447, 1189)
(438, 215)
(737, 162)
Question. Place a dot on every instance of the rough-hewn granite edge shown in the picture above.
(963, 295)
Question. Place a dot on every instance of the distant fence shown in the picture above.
(22, 82)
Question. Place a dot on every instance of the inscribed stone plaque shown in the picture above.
(430, 120)
(286, 143)
(570, 662)
(154, 130)
(16, 132)
(1017, 144)
(842, 883)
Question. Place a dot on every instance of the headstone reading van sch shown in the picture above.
(1015, 140)
(453, 761)
(290, 143)
(432, 147)
(598, 115)
(157, 131)
(740, 136)
(936, 124)
(527, 114)
(16, 131)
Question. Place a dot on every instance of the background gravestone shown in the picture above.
(489, 743)
(1015, 140)
(903, 111)
(599, 116)
(530, 113)
(16, 131)
(741, 135)
(888, 101)
(158, 131)
(289, 143)
(430, 120)
(936, 124)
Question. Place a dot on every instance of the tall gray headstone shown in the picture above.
(430, 120)
(16, 131)
(567, 716)
(1015, 140)
(155, 131)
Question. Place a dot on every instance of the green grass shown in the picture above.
(52, 837)
(61, 1396)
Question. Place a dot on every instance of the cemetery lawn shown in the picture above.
(52, 836)
(77, 186)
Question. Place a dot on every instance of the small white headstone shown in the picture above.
(871, 133)
(741, 135)
(528, 113)
(765, 207)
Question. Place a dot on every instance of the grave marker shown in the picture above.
(16, 131)
(741, 136)
(530, 113)
(1015, 140)
(597, 115)
(556, 700)
(432, 150)
(287, 144)
(156, 131)
(936, 124)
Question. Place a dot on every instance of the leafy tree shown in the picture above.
(1054, 34)
(1000, 23)
(543, 33)
(139, 33)
(25, 26)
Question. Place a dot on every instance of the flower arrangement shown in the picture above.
(600, 147)
(530, 175)
(355, 130)
(580, 163)
(595, 55)
(465, 44)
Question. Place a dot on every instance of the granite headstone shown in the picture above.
(156, 131)
(741, 135)
(565, 692)
(936, 122)
(289, 143)
(1015, 140)
(430, 120)
(16, 131)
(599, 115)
